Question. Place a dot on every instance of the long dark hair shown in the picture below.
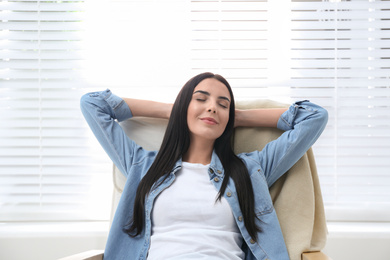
(176, 143)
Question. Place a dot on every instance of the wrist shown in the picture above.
(168, 111)
(238, 118)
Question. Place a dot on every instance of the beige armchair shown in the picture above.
(296, 196)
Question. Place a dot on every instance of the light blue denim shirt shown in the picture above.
(303, 123)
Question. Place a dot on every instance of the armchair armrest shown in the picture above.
(315, 256)
(88, 255)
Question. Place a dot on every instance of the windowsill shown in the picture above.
(359, 229)
(57, 229)
(358, 240)
(100, 228)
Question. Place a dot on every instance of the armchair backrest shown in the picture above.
(296, 196)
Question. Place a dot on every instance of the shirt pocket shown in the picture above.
(263, 201)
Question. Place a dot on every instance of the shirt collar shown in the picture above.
(215, 165)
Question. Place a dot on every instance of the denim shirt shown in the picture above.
(303, 123)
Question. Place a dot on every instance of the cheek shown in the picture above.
(191, 115)
(190, 111)
(225, 119)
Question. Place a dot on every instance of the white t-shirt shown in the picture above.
(188, 223)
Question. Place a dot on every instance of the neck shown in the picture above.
(200, 151)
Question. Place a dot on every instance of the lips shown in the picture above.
(209, 120)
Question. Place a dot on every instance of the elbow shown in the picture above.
(88, 102)
(88, 99)
(94, 98)
(322, 119)
(324, 116)
(84, 102)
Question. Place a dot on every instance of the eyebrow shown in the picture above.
(208, 94)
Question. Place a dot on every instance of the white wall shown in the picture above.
(354, 241)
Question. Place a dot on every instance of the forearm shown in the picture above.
(147, 108)
(258, 117)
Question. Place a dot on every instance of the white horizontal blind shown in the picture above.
(340, 57)
(50, 168)
(334, 53)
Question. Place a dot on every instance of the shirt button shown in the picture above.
(240, 218)
(211, 171)
(252, 241)
(216, 179)
(229, 194)
(219, 171)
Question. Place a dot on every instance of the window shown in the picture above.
(334, 53)
(49, 169)
(339, 56)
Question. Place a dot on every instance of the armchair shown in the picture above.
(296, 196)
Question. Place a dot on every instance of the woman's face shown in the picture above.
(208, 111)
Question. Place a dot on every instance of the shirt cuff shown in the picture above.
(286, 120)
(118, 105)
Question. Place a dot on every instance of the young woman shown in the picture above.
(194, 198)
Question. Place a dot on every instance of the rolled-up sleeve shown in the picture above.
(106, 102)
(298, 112)
(303, 124)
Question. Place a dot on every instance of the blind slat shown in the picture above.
(339, 5)
(76, 6)
(44, 26)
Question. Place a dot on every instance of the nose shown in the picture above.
(212, 106)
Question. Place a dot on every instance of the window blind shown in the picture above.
(49, 166)
(340, 57)
(334, 53)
